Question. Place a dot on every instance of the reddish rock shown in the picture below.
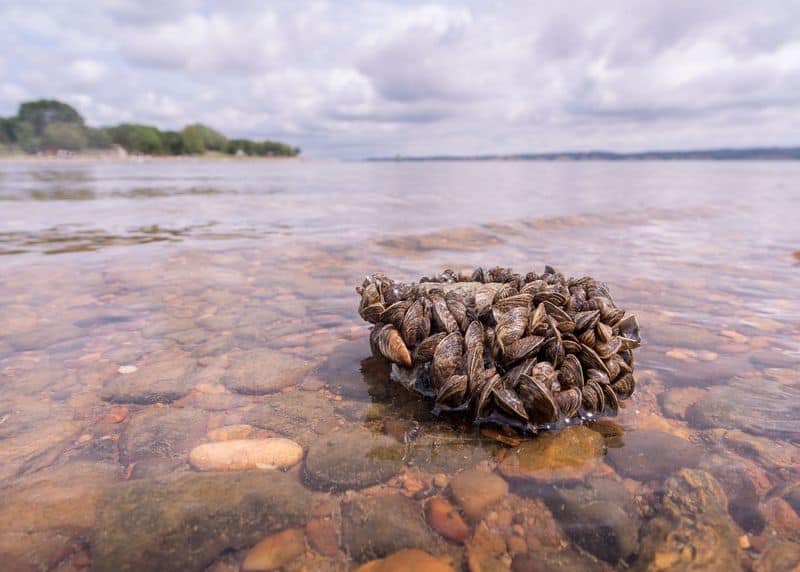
(323, 536)
(445, 520)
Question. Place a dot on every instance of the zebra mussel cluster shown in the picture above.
(526, 351)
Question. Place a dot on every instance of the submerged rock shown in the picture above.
(475, 491)
(158, 440)
(243, 454)
(184, 524)
(408, 559)
(653, 455)
(352, 459)
(760, 405)
(262, 371)
(160, 382)
(571, 453)
(692, 529)
(275, 551)
(600, 516)
(374, 527)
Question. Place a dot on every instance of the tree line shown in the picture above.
(51, 125)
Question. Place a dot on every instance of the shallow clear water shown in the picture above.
(192, 276)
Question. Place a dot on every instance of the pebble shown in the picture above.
(231, 432)
(262, 371)
(676, 401)
(653, 455)
(476, 491)
(243, 454)
(744, 542)
(440, 480)
(445, 520)
(116, 414)
(408, 559)
(124, 369)
(275, 551)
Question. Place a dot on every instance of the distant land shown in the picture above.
(48, 127)
(743, 154)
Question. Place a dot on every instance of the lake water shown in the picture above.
(140, 300)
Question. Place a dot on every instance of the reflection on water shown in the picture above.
(191, 303)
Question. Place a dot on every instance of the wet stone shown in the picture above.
(408, 559)
(761, 405)
(445, 520)
(774, 358)
(184, 524)
(375, 527)
(159, 440)
(600, 516)
(298, 415)
(780, 555)
(555, 561)
(653, 455)
(680, 335)
(675, 402)
(571, 453)
(351, 459)
(262, 371)
(275, 551)
(244, 454)
(692, 529)
(160, 382)
(476, 491)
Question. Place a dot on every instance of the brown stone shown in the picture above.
(445, 520)
(323, 536)
(231, 432)
(275, 551)
(475, 491)
(409, 559)
(571, 453)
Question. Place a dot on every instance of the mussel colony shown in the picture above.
(526, 351)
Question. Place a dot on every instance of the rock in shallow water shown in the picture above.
(409, 559)
(160, 382)
(184, 524)
(445, 520)
(374, 527)
(158, 440)
(475, 491)
(262, 371)
(571, 453)
(760, 405)
(351, 459)
(692, 529)
(275, 551)
(653, 455)
(243, 454)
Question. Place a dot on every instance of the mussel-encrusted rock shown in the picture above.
(527, 351)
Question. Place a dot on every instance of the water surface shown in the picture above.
(190, 275)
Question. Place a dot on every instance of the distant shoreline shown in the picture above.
(84, 158)
(744, 154)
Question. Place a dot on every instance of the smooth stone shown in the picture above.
(600, 516)
(45, 515)
(374, 527)
(184, 524)
(556, 561)
(650, 455)
(160, 382)
(671, 335)
(774, 358)
(352, 459)
(275, 551)
(692, 529)
(571, 453)
(675, 402)
(407, 559)
(323, 536)
(743, 498)
(780, 555)
(159, 439)
(262, 371)
(445, 520)
(299, 415)
(231, 432)
(475, 491)
(760, 405)
(244, 454)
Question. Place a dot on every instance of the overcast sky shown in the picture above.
(352, 79)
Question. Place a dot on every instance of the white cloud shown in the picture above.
(390, 77)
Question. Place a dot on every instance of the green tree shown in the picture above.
(99, 138)
(173, 142)
(193, 143)
(24, 135)
(212, 140)
(69, 136)
(137, 138)
(43, 112)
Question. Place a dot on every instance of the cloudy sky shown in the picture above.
(353, 79)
